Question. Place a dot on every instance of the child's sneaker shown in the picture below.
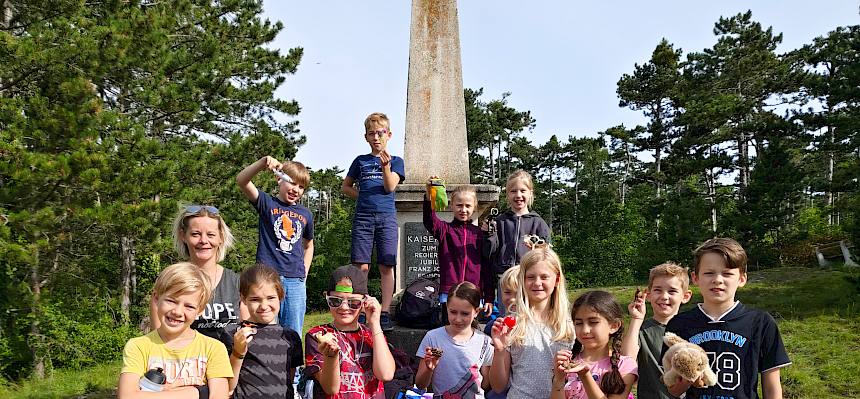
(385, 321)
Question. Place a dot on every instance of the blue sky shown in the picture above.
(559, 59)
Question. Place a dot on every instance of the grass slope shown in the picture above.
(818, 312)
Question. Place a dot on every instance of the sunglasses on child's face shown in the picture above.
(195, 209)
(336, 301)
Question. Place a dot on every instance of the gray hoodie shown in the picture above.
(505, 247)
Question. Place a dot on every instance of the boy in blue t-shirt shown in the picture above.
(375, 222)
(285, 231)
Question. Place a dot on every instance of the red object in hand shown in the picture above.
(510, 321)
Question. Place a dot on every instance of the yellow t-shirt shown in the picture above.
(197, 362)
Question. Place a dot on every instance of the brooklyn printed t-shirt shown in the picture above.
(741, 344)
(281, 229)
(195, 364)
(356, 363)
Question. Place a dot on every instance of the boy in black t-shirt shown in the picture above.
(741, 343)
(668, 288)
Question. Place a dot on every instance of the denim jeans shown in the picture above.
(294, 305)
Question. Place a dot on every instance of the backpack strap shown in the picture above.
(483, 348)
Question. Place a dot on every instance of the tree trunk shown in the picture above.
(712, 198)
(499, 159)
(658, 154)
(127, 276)
(5, 14)
(830, 163)
(626, 173)
(743, 165)
(550, 198)
(658, 147)
(493, 179)
(575, 189)
(36, 339)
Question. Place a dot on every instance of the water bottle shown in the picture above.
(153, 380)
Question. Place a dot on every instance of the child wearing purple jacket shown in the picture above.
(460, 247)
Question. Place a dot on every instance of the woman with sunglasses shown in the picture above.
(201, 237)
(345, 358)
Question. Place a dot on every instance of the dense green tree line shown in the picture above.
(740, 141)
(115, 113)
(112, 114)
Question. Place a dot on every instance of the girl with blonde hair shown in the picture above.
(542, 327)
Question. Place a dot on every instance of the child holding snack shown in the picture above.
(508, 288)
(375, 221)
(668, 288)
(460, 247)
(347, 359)
(194, 365)
(524, 354)
(595, 367)
(285, 231)
(265, 354)
(505, 246)
(456, 358)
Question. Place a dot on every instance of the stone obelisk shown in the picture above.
(435, 109)
(435, 135)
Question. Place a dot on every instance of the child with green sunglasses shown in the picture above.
(345, 358)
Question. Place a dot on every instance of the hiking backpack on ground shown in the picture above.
(419, 306)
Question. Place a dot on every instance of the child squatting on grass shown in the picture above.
(594, 368)
(456, 358)
(265, 354)
(195, 366)
(347, 359)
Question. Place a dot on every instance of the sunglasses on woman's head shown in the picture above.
(335, 302)
(194, 209)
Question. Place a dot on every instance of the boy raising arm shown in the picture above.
(668, 288)
(282, 223)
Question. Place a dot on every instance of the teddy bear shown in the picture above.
(687, 360)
